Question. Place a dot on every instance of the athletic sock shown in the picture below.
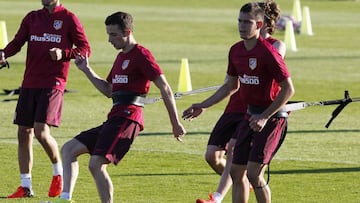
(57, 169)
(218, 197)
(26, 180)
(65, 195)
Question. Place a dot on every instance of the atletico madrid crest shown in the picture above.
(125, 64)
(252, 63)
(58, 24)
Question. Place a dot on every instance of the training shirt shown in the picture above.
(133, 72)
(43, 31)
(236, 102)
(259, 70)
(271, 40)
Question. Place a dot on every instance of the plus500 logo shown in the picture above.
(46, 38)
(249, 80)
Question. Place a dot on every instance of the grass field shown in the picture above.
(315, 164)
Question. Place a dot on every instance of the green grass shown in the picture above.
(315, 164)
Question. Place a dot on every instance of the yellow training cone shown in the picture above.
(184, 77)
(3, 35)
(290, 37)
(306, 27)
(296, 12)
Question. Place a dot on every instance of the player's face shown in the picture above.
(116, 36)
(247, 26)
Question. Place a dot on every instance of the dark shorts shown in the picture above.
(39, 105)
(112, 139)
(224, 129)
(259, 147)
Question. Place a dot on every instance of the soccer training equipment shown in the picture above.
(196, 91)
(178, 95)
(56, 186)
(22, 192)
(294, 106)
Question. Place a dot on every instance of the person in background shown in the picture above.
(50, 33)
(127, 84)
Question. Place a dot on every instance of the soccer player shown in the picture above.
(223, 136)
(127, 83)
(266, 86)
(50, 33)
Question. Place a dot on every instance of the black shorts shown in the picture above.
(224, 129)
(259, 147)
(39, 105)
(112, 139)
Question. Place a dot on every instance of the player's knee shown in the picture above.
(96, 164)
(214, 157)
(70, 150)
(93, 166)
(210, 157)
(65, 149)
(254, 179)
(238, 174)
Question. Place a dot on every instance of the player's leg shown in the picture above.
(80, 144)
(24, 120)
(225, 182)
(238, 171)
(214, 156)
(25, 149)
(241, 185)
(42, 134)
(48, 113)
(265, 143)
(70, 151)
(219, 138)
(117, 135)
(49, 144)
(25, 160)
(97, 166)
(255, 174)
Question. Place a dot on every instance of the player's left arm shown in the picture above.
(169, 101)
(286, 92)
(82, 62)
(258, 121)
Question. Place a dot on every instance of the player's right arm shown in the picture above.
(230, 85)
(2, 58)
(82, 62)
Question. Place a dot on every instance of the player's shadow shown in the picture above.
(9, 93)
(289, 132)
(315, 171)
(166, 174)
(322, 131)
(170, 133)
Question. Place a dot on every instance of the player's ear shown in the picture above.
(259, 24)
(128, 32)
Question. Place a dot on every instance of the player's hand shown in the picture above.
(257, 122)
(179, 132)
(2, 58)
(192, 112)
(55, 54)
(3, 62)
(82, 62)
